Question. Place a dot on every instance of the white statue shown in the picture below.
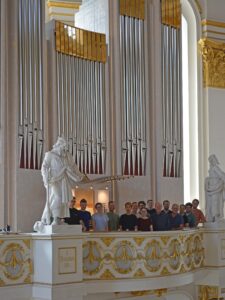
(215, 191)
(59, 173)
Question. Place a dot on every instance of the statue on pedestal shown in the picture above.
(215, 191)
(60, 173)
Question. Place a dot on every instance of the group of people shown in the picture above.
(138, 216)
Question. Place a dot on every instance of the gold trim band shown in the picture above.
(80, 43)
(206, 22)
(63, 4)
(212, 31)
(171, 13)
(61, 14)
(133, 8)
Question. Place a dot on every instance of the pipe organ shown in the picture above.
(133, 98)
(80, 62)
(30, 130)
(0, 66)
(171, 87)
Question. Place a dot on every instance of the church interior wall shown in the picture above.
(216, 106)
(153, 184)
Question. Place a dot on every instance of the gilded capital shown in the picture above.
(213, 58)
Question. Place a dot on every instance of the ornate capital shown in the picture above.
(207, 292)
(213, 57)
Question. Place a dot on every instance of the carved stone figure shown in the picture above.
(60, 174)
(214, 191)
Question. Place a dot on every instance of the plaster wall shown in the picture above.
(216, 104)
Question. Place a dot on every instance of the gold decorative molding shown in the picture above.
(139, 274)
(63, 4)
(133, 8)
(171, 13)
(165, 239)
(155, 256)
(206, 292)
(160, 292)
(139, 240)
(165, 271)
(15, 263)
(107, 240)
(27, 243)
(140, 293)
(107, 275)
(80, 43)
(206, 22)
(213, 57)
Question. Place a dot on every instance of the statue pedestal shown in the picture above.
(62, 229)
(57, 255)
(215, 225)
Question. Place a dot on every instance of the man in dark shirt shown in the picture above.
(175, 219)
(166, 207)
(84, 214)
(150, 207)
(160, 220)
(128, 221)
(74, 218)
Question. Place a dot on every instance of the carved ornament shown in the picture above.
(213, 58)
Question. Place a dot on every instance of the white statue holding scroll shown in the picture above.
(60, 173)
(215, 191)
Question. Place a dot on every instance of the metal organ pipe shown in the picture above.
(81, 87)
(172, 86)
(30, 127)
(133, 104)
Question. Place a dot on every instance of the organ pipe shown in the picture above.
(80, 65)
(171, 87)
(30, 129)
(133, 100)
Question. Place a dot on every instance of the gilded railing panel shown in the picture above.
(16, 265)
(141, 255)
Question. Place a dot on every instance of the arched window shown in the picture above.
(190, 102)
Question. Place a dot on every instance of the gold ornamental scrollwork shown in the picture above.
(207, 292)
(124, 257)
(187, 253)
(213, 57)
(139, 274)
(139, 240)
(198, 251)
(92, 258)
(107, 240)
(15, 263)
(153, 255)
(107, 275)
(175, 254)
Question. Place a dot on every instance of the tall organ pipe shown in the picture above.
(133, 98)
(30, 127)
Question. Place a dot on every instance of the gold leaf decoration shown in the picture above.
(213, 57)
(107, 241)
(139, 274)
(139, 240)
(107, 275)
